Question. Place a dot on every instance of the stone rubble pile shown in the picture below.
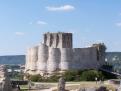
(5, 84)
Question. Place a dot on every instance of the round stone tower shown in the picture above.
(28, 56)
(66, 58)
(54, 60)
(33, 59)
(42, 58)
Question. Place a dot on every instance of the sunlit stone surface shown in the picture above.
(57, 54)
(5, 84)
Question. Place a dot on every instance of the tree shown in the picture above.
(90, 75)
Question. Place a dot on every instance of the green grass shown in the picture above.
(24, 87)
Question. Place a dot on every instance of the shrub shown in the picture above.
(53, 78)
(35, 78)
(73, 75)
(90, 75)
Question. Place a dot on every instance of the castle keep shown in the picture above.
(57, 54)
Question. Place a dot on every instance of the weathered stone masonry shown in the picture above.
(5, 84)
(57, 54)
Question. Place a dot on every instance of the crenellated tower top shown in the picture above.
(58, 40)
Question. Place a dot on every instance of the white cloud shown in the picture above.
(118, 24)
(61, 8)
(19, 33)
(41, 22)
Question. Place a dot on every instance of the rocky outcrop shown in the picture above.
(5, 84)
(61, 84)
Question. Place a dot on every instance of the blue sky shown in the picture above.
(22, 22)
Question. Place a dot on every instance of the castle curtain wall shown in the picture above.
(66, 58)
(56, 54)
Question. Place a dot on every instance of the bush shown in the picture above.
(82, 75)
(39, 78)
(35, 78)
(90, 75)
(73, 75)
(69, 75)
(53, 78)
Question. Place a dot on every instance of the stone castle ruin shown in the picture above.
(56, 54)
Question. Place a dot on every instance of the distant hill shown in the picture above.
(114, 58)
(20, 59)
(15, 59)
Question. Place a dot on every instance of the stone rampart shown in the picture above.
(34, 58)
(42, 58)
(28, 59)
(85, 58)
(66, 58)
(54, 59)
(57, 54)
